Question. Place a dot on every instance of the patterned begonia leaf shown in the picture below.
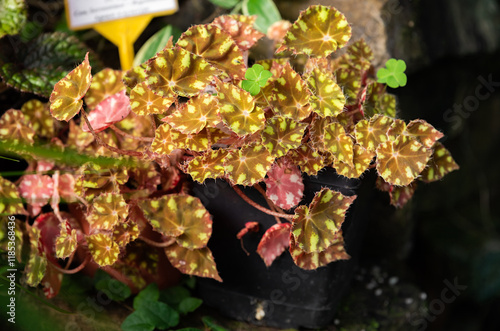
(237, 109)
(66, 187)
(180, 216)
(66, 99)
(143, 101)
(66, 243)
(319, 31)
(398, 127)
(105, 83)
(307, 158)
(249, 227)
(424, 132)
(134, 76)
(399, 195)
(196, 262)
(198, 112)
(77, 138)
(400, 162)
(37, 190)
(377, 101)
(314, 260)
(315, 227)
(317, 131)
(291, 95)
(125, 232)
(142, 257)
(37, 263)
(274, 242)
(349, 81)
(15, 128)
(358, 56)
(19, 230)
(52, 281)
(103, 249)
(167, 139)
(248, 165)
(240, 28)
(145, 175)
(440, 164)
(39, 117)
(327, 98)
(284, 186)
(208, 165)
(113, 109)
(49, 226)
(361, 160)
(216, 46)
(175, 71)
(108, 210)
(282, 134)
(339, 143)
(371, 133)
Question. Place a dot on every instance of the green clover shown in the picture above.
(394, 73)
(255, 78)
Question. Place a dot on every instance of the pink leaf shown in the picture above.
(113, 109)
(284, 185)
(37, 190)
(274, 242)
(249, 227)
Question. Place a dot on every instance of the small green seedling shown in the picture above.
(394, 73)
(255, 78)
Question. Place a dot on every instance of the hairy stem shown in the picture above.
(157, 244)
(259, 207)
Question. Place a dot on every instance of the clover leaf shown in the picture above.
(393, 75)
(255, 78)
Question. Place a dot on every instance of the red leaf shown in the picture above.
(113, 109)
(249, 227)
(37, 190)
(284, 186)
(274, 242)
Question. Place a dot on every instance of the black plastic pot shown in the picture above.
(282, 295)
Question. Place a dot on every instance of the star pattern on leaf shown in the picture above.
(284, 186)
(216, 46)
(77, 138)
(181, 216)
(237, 109)
(108, 210)
(339, 143)
(291, 95)
(349, 81)
(10, 201)
(248, 165)
(358, 56)
(66, 242)
(175, 71)
(105, 83)
(318, 32)
(103, 249)
(66, 98)
(327, 98)
(315, 227)
(208, 165)
(39, 117)
(377, 101)
(361, 161)
(15, 128)
(307, 158)
(143, 101)
(196, 262)
(400, 162)
(371, 133)
(196, 114)
(274, 242)
(37, 262)
(134, 76)
(282, 134)
(125, 232)
(440, 164)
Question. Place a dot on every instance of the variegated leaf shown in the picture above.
(317, 131)
(307, 158)
(424, 132)
(248, 165)
(196, 262)
(327, 98)
(361, 161)
(180, 216)
(358, 56)
(371, 133)
(400, 162)
(284, 186)
(103, 249)
(318, 32)
(135, 76)
(240, 28)
(108, 210)
(291, 95)
(37, 262)
(66, 99)
(237, 109)
(197, 113)
(208, 165)
(109, 111)
(440, 164)
(274, 242)
(377, 101)
(314, 260)
(105, 83)
(15, 128)
(216, 46)
(349, 81)
(398, 127)
(77, 138)
(125, 232)
(282, 134)
(339, 143)
(175, 71)
(37, 190)
(143, 101)
(66, 242)
(39, 117)
(315, 228)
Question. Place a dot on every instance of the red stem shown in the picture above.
(269, 202)
(157, 244)
(259, 207)
(72, 271)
